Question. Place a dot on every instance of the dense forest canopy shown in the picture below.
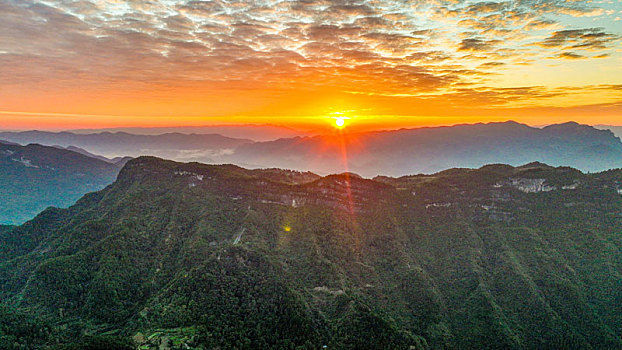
(205, 256)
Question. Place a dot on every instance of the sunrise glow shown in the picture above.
(340, 122)
(393, 64)
(289, 174)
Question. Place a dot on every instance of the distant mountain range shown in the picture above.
(196, 256)
(116, 160)
(189, 147)
(253, 132)
(428, 150)
(617, 130)
(395, 153)
(34, 177)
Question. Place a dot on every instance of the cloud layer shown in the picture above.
(422, 49)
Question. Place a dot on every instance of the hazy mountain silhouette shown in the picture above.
(253, 132)
(395, 153)
(427, 150)
(172, 145)
(617, 130)
(116, 160)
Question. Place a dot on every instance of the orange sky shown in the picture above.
(384, 64)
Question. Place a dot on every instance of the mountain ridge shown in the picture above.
(390, 152)
(33, 177)
(426, 150)
(120, 144)
(497, 257)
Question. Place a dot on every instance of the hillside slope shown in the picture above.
(34, 177)
(203, 256)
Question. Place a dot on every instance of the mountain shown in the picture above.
(392, 153)
(427, 150)
(192, 147)
(85, 152)
(116, 160)
(34, 177)
(253, 132)
(616, 129)
(2, 142)
(181, 256)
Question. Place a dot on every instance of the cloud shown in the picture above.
(492, 64)
(380, 46)
(541, 24)
(570, 55)
(477, 44)
(588, 38)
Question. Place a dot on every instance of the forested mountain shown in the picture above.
(34, 177)
(428, 150)
(203, 256)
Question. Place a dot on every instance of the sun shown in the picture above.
(340, 122)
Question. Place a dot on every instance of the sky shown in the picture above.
(382, 63)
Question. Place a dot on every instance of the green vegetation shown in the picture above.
(35, 177)
(199, 256)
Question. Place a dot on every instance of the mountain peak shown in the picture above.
(535, 165)
(507, 122)
(571, 126)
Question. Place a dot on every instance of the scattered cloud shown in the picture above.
(588, 38)
(570, 55)
(379, 47)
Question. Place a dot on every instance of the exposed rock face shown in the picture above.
(572, 186)
(530, 185)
